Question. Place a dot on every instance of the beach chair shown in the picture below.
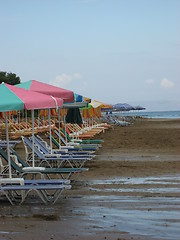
(88, 141)
(69, 145)
(64, 153)
(57, 160)
(64, 149)
(12, 143)
(21, 168)
(74, 146)
(49, 191)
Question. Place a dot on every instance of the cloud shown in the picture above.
(64, 80)
(167, 84)
(72, 82)
(150, 81)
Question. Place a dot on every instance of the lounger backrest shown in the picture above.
(13, 164)
(67, 135)
(20, 160)
(36, 150)
(53, 140)
(41, 146)
(61, 138)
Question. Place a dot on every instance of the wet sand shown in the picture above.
(131, 191)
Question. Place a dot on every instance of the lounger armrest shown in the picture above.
(79, 140)
(53, 155)
(11, 181)
(34, 169)
(56, 151)
(16, 160)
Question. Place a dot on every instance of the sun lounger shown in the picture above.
(76, 144)
(22, 169)
(70, 150)
(12, 143)
(49, 192)
(69, 145)
(55, 160)
(94, 141)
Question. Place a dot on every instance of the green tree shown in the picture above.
(9, 78)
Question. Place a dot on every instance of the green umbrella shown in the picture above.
(73, 116)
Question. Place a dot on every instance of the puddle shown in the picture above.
(156, 216)
(138, 190)
(147, 216)
(141, 180)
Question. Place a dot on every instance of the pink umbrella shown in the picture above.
(34, 100)
(33, 85)
(31, 100)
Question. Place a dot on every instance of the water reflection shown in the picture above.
(156, 215)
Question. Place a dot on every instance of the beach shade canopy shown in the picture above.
(57, 92)
(97, 104)
(86, 99)
(122, 107)
(78, 98)
(8, 100)
(75, 105)
(73, 116)
(139, 108)
(89, 106)
(15, 98)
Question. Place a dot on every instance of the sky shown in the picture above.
(114, 51)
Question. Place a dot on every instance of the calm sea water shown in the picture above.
(159, 114)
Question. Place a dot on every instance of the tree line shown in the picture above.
(9, 77)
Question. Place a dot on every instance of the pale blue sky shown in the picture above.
(109, 50)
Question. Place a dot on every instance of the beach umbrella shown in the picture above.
(86, 99)
(123, 107)
(73, 116)
(139, 108)
(36, 86)
(96, 104)
(78, 98)
(14, 98)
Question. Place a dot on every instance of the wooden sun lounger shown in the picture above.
(97, 141)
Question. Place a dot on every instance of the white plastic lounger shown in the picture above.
(13, 192)
(17, 189)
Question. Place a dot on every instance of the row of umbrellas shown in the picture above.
(32, 95)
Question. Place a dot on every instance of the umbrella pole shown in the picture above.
(32, 112)
(73, 132)
(76, 131)
(50, 136)
(26, 119)
(65, 126)
(38, 117)
(59, 120)
(8, 151)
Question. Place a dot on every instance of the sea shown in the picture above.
(150, 114)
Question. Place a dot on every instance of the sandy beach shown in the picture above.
(131, 191)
